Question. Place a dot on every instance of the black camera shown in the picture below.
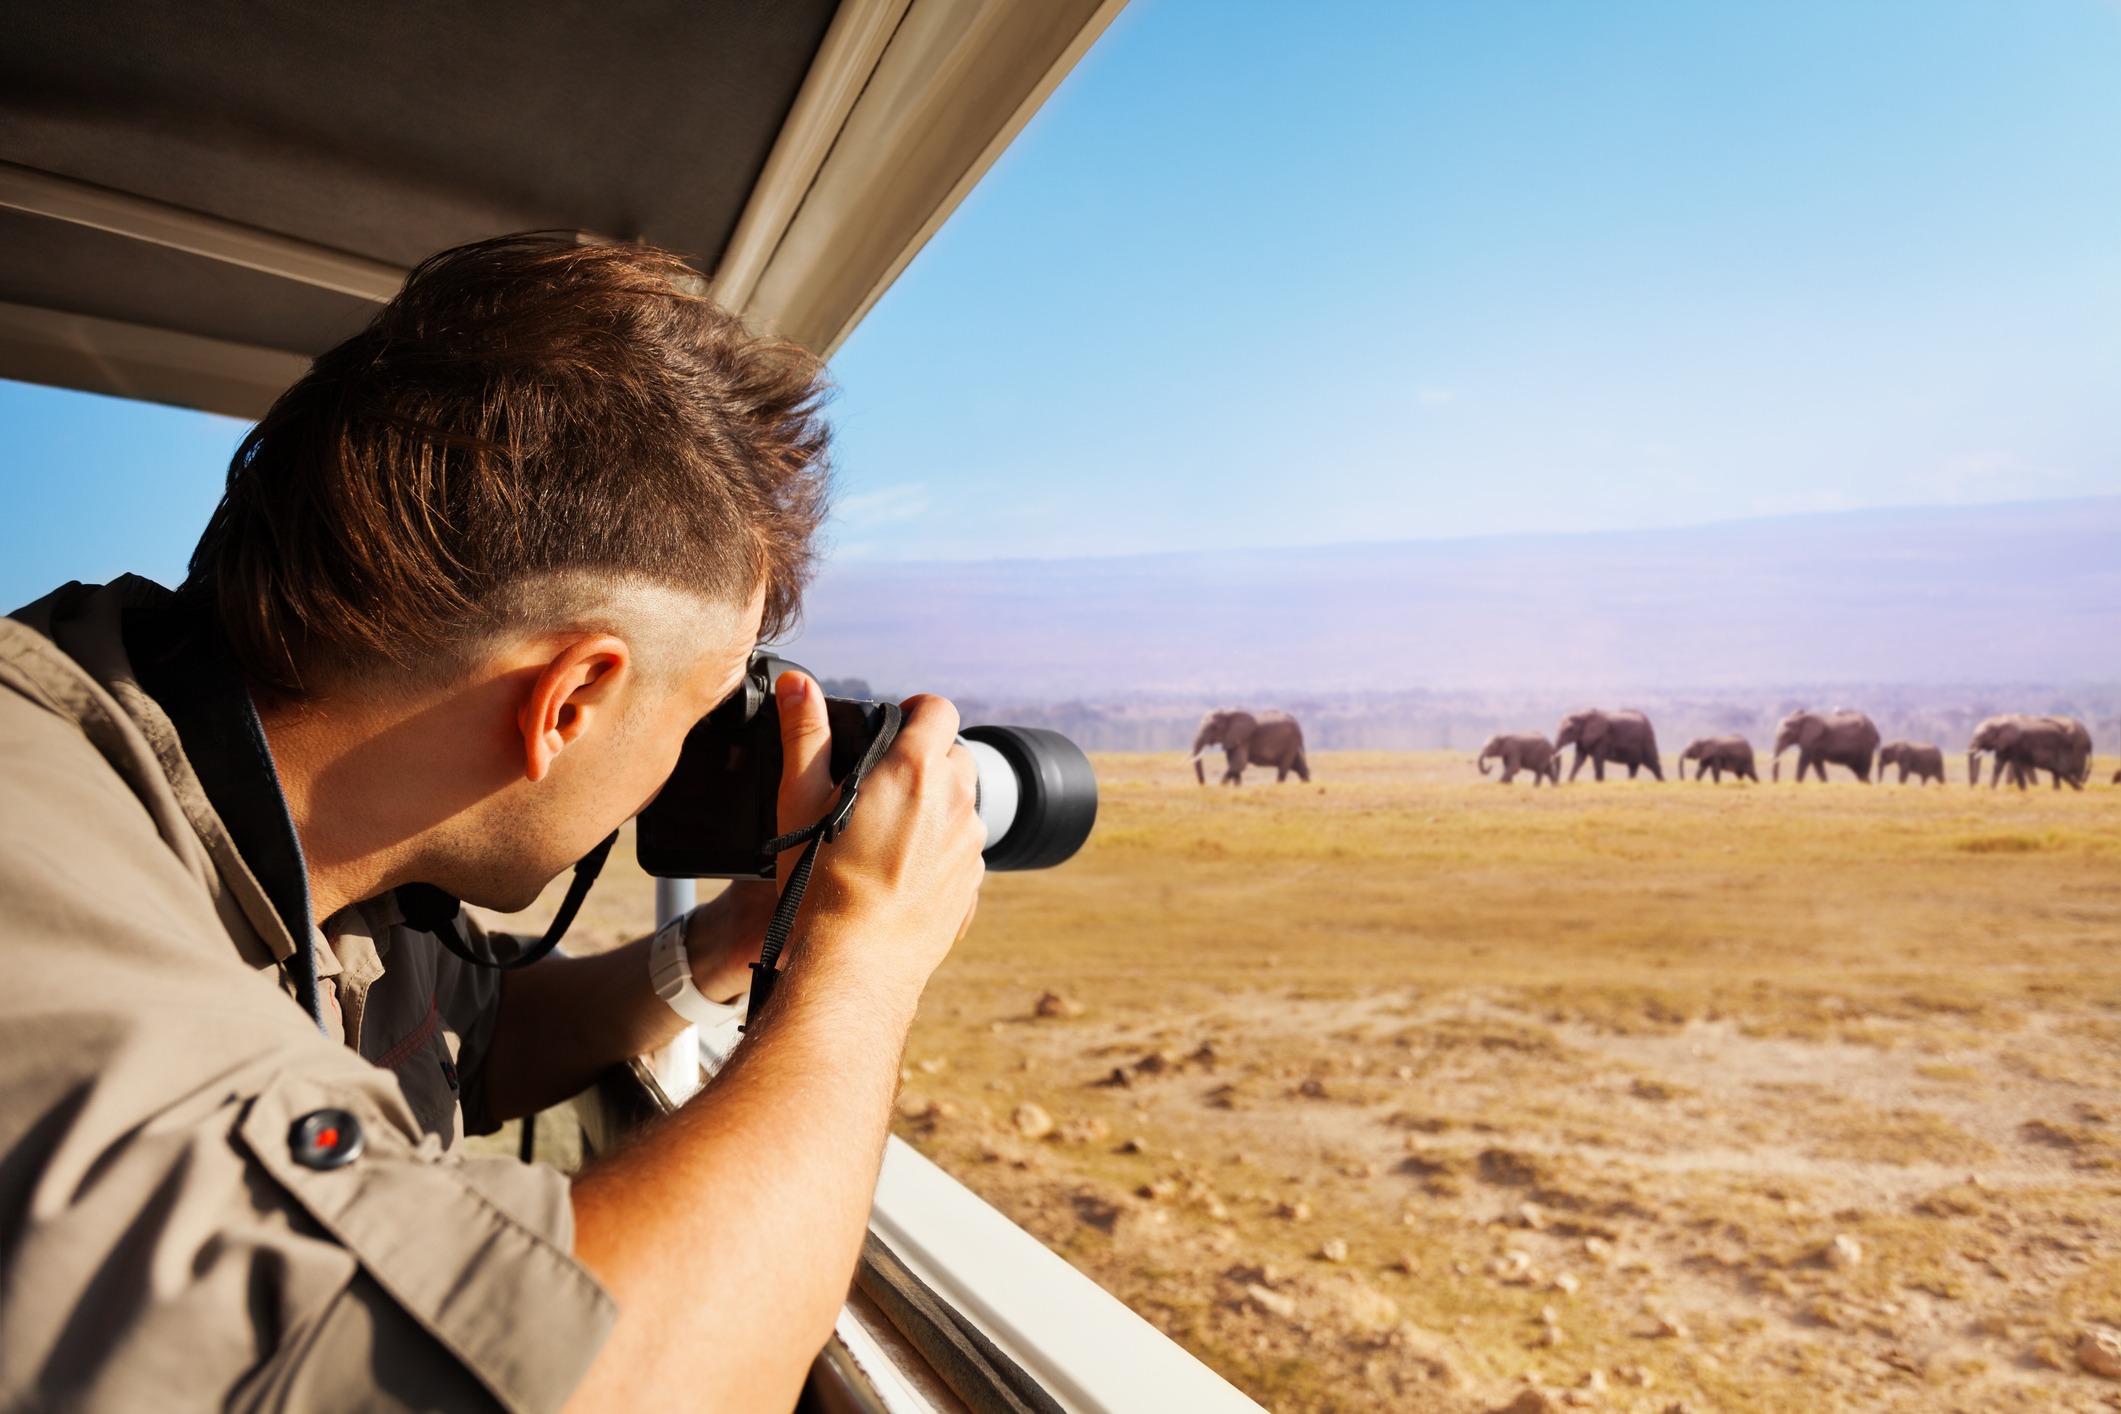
(715, 815)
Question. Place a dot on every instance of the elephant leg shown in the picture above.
(1633, 767)
(1234, 766)
(1578, 766)
(1598, 766)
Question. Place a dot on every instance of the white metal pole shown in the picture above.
(676, 1065)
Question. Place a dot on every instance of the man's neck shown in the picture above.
(370, 786)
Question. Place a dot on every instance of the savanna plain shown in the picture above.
(1408, 1090)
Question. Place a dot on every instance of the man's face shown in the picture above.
(638, 714)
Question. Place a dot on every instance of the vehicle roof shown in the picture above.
(196, 200)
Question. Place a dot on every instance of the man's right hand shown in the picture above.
(898, 887)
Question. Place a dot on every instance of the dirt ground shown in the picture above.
(1408, 1090)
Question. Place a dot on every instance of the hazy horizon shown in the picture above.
(2015, 593)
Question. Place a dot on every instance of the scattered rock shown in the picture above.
(2099, 1351)
(1085, 1131)
(1821, 1311)
(1672, 1328)
(1528, 1401)
(935, 1065)
(1156, 1063)
(1363, 1306)
(1530, 1215)
(1649, 1090)
(1156, 1190)
(1225, 1097)
(1550, 1334)
(1567, 1284)
(1635, 1375)
(1296, 1212)
(1512, 1266)
(1031, 1121)
(1205, 1054)
(1135, 1145)
(1407, 1262)
(1597, 1249)
(1333, 1249)
(1273, 1303)
(1117, 1080)
(1054, 1004)
(1844, 1253)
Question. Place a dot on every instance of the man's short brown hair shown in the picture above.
(525, 408)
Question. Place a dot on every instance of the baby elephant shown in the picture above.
(1717, 754)
(1915, 758)
(1522, 751)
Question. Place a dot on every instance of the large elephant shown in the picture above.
(2026, 745)
(1270, 739)
(1914, 758)
(1522, 751)
(1718, 754)
(1623, 738)
(1827, 738)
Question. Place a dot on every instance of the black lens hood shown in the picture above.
(1057, 801)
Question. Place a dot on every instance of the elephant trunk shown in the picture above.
(1483, 763)
(1973, 767)
(1200, 772)
(1775, 774)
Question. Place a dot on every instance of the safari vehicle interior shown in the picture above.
(193, 203)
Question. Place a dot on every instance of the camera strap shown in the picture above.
(765, 972)
(428, 909)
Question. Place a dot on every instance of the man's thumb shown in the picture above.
(806, 749)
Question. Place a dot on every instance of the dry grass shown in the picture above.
(1661, 1042)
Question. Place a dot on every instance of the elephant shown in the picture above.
(1270, 739)
(1841, 738)
(1914, 758)
(1718, 754)
(1623, 738)
(1522, 751)
(2026, 745)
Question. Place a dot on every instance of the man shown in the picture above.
(472, 581)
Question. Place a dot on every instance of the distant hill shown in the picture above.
(1940, 614)
(2028, 591)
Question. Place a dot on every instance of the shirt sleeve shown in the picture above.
(165, 1238)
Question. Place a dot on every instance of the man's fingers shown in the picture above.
(806, 750)
(931, 724)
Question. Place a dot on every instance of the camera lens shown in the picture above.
(1038, 795)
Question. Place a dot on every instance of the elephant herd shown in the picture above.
(2020, 745)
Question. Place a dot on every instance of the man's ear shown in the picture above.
(577, 684)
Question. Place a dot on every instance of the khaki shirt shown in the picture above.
(160, 1246)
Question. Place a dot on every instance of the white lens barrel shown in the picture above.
(999, 790)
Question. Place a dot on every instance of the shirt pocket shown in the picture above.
(504, 1298)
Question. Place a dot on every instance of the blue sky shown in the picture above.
(1269, 274)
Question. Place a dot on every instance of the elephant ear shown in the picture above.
(2007, 735)
(1595, 727)
(1813, 729)
(1240, 728)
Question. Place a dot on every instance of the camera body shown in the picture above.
(714, 816)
